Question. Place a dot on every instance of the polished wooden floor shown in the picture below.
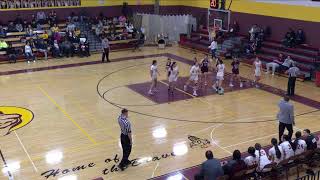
(73, 126)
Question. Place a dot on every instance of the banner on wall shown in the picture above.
(214, 4)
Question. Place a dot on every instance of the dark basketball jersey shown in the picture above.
(205, 63)
(235, 65)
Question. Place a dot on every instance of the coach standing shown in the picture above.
(285, 117)
(126, 138)
(293, 72)
(106, 48)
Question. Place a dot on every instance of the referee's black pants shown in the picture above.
(105, 54)
(291, 86)
(126, 150)
(282, 127)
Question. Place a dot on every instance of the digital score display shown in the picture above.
(214, 4)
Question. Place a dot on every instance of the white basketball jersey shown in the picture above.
(273, 154)
(287, 149)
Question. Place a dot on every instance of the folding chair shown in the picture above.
(268, 170)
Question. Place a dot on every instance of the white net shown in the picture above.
(219, 19)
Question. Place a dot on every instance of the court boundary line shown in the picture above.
(67, 115)
(25, 150)
(5, 164)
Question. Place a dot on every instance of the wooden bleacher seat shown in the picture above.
(3, 52)
(13, 39)
(16, 33)
(18, 45)
(122, 41)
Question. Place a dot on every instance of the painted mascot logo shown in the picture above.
(13, 118)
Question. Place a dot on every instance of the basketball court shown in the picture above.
(69, 110)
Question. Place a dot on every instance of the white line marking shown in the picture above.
(155, 170)
(212, 140)
(250, 140)
(34, 166)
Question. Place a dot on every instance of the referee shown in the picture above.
(285, 117)
(293, 72)
(126, 138)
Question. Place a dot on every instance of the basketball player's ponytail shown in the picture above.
(286, 138)
(251, 151)
(296, 141)
(258, 147)
(274, 142)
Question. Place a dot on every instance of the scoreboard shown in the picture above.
(214, 4)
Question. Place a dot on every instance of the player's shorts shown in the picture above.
(173, 79)
(257, 73)
(204, 69)
(235, 71)
(154, 77)
(194, 78)
(219, 78)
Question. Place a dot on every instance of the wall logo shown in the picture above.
(13, 118)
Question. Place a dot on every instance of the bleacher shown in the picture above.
(304, 56)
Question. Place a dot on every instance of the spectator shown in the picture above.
(252, 158)
(3, 45)
(70, 27)
(84, 49)
(67, 48)
(210, 169)
(42, 47)
(3, 32)
(300, 37)
(28, 52)
(299, 145)
(41, 17)
(289, 39)
(234, 165)
(253, 32)
(262, 157)
(25, 24)
(286, 64)
(19, 27)
(12, 27)
(18, 19)
(56, 51)
(12, 54)
(286, 145)
(235, 28)
(275, 64)
(276, 153)
(55, 28)
(311, 141)
(29, 31)
(34, 22)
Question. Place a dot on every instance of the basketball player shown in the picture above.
(262, 157)
(275, 153)
(168, 66)
(219, 78)
(252, 158)
(194, 77)
(205, 69)
(154, 77)
(257, 65)
(299, 145)
(235, 72)
(173, 76)
(287, 147)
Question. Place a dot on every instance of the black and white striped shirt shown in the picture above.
(124, 124)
